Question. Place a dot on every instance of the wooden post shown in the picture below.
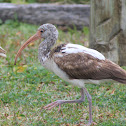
(108, 29)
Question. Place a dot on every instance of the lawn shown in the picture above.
(27, 87)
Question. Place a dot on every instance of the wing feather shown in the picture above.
(84, 66)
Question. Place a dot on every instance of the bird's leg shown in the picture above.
(90, 105)
(59, 102)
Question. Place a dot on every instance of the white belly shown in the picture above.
(52, 66)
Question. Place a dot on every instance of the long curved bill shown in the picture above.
(30, 40)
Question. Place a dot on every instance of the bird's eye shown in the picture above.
(42, 31)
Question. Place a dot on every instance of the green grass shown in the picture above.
(27, 87)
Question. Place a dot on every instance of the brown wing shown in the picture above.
(85, 66)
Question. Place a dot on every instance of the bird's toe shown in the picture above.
(52, 105)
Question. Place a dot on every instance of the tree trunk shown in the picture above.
(108, 29)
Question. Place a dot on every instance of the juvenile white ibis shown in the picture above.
(2, 52)
(73, 63)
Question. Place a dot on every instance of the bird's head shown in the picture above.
(48, 30)
(44, 31)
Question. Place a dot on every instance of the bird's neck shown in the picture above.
(45, 48)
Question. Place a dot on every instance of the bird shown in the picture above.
(76, 64)
(2, 52)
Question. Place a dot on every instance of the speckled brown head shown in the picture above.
(44, 31)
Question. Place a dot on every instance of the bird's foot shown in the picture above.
(54, 104)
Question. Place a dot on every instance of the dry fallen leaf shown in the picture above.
(112, 93)
(19, 117)
(32, 44)
(20, 69)
(18, 33)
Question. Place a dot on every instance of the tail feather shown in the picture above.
(117, 73)
(120, 75)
